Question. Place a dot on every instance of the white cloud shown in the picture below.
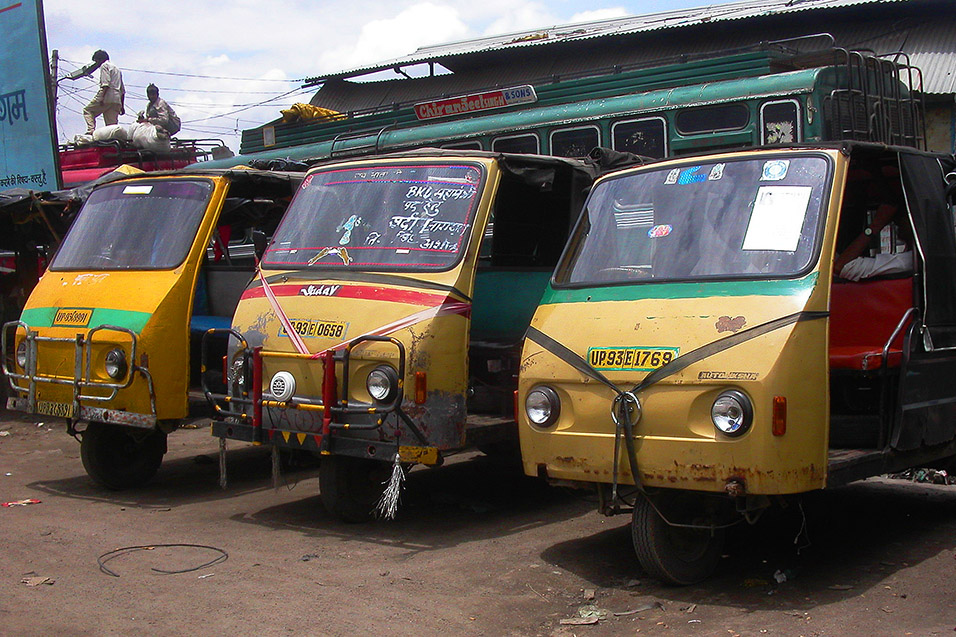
(218, 60)
(599, 14)
(266, 42)
(383, 39)
(522, 17)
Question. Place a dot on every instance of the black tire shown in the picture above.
(121, 457)
(674, 555)
(351, 487)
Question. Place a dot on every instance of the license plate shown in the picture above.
(60, 410)
(316, 329)
(424, 455)
(631, 358)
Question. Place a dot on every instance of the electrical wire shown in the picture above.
(244, 108)
(79, 94)
(205, 77)
(111, 555)
(199, 90)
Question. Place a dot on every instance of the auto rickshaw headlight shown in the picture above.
(22, 354)
(732, 413)
(382, 384)
(116, 363)
(542, 406)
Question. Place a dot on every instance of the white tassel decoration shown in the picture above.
(388, 504)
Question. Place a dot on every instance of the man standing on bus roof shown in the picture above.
(159, 113)
(109, 99)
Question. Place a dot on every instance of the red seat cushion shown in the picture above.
(863, 315)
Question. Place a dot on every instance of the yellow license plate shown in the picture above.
(424, 455)
(316, 329)
(72, 317)
(60, 410)
(638, 359)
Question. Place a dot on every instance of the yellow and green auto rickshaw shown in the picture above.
(384, 327)
(727, 328)
(110, 335)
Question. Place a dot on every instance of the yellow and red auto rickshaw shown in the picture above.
(384, 327)
(109, 337)
(700, 350)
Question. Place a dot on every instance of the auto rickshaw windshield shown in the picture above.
(736, 219)
(135, 226)
(393, 216)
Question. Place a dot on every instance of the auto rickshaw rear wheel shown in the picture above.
(672, 554)
(351, 487)
(121, 457)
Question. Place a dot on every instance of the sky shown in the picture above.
(228, 66)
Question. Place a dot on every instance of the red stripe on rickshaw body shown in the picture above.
(373, 293)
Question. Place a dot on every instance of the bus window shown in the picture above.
(527, 143)
(710, 119)
(575, 142)
(472, 145)
(647, 137)
(780, 122)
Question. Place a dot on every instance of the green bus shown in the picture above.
(774, 95)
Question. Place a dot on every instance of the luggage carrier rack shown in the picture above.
(876, 98)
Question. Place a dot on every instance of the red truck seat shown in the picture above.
(863, 315)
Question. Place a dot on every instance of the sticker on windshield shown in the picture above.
(348, 227)
(777, 218)
(631, 359)
(716, 173)
(691, 176)
(342, 253)
(775, 170)
(137, 190)
(660, 231)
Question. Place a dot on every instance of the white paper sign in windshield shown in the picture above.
(777, 218)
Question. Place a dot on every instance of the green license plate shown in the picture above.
(60, 410)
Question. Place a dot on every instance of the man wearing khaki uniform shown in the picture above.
(108, 101)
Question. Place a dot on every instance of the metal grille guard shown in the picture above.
(251, 395)
(82, 377)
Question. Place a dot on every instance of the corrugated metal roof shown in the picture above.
(927, 36)
(742, 10)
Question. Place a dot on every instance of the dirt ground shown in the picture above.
(478, 549)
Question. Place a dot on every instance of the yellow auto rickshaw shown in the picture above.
(109, 337)
(727, 328)
(384, 326)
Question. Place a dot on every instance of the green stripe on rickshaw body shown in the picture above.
(682, 290)
(131, 320)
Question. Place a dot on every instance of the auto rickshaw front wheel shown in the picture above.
(351, 487)
(678, 555)
(121, 457)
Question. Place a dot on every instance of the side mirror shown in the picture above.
(259, 242)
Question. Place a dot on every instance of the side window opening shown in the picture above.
(871, 294)
(227, 267)
(518, 254)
